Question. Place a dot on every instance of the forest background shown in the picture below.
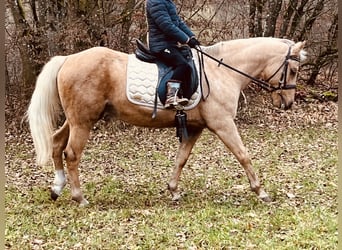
(294, 151)
(37, 30)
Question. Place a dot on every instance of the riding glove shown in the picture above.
(193, 42)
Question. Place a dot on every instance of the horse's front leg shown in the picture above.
(228, 133)
(182, 156)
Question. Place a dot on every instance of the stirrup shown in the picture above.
(182, 101)
(171, 104)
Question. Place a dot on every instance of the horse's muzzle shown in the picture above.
(280, 101)
(285, 105)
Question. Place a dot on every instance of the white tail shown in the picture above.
(44, 108)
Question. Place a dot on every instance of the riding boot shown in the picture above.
(172, 99)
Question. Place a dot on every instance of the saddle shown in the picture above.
(165, 72)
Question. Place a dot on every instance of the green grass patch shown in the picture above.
(130, 207)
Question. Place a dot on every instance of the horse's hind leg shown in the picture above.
(182, 157)
(60, 139)
(228, 133)
(77, 140)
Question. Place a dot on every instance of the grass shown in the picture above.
(124, 175)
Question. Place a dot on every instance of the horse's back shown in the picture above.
(94, 57)
(92, 85)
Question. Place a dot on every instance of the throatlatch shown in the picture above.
(181, 129)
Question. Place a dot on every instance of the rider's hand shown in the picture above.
(193, 42)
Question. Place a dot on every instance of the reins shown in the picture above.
(261, 83)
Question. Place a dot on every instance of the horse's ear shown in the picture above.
(298, 50)
(298, 47)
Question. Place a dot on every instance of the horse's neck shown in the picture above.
(241, 58)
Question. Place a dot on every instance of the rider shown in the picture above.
(166, 31)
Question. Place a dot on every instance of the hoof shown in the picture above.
(176, 196)
(174, 192)
(84, 203)
(264, 196)
(266, 199)
(54, 196)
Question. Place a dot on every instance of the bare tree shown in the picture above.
(256, 8)
(299, 20)
(26, 37)
(327, 53)
(39, 29)
(272, 17)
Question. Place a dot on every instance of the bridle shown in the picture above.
(282, 81)
(261, 83)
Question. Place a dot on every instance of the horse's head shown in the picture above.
(282, 76)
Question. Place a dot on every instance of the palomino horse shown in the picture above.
(91, 85)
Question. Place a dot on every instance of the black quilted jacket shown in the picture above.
(165, 26)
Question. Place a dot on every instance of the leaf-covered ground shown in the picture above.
(124, 171)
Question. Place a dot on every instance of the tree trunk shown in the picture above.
(25, 36)
(256, 17)
(297, 17)
(272, 17)
(310, 21)
(126, 24)
(251, 24)
(287, 17)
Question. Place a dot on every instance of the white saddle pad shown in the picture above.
(142, 80)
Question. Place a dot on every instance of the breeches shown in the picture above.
(173, 57)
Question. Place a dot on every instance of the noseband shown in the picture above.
(263, 84)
